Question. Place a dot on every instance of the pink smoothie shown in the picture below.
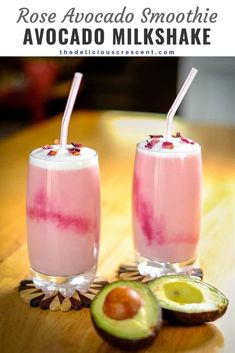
(63, 212)
(167, 201)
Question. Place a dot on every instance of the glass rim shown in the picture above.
(73, 159)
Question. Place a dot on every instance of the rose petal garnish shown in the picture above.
(47, 147)
(155, 136)
(148, 145)
(184, 139)
(178, 134)
(151, 143)
(77, 145)
(154, 142)
(52, 153)
(168, 145)
(74, 151)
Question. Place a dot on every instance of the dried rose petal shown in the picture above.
(77, 145)
(154, 142)
(187, 141)
(47, 147)
(151, 143)
(71, 150)
(52, 153)
(148, 145)
(155, 136)
(178, 134)
(74, 151)
(184, 139)
(168, 145)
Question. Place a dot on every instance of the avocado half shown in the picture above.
(187, 300)
(126, 314)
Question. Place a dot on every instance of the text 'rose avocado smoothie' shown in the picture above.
(167, 188)
(63, 212)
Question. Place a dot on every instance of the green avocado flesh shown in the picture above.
(187, 295)
(182, 293)
(142, 325)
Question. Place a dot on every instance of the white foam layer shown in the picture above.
(180, 147)
(63, 160)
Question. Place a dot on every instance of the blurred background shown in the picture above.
(35, 89)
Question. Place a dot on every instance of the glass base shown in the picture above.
(148, 267)
(66, 285)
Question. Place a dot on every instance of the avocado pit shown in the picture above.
(122, 303)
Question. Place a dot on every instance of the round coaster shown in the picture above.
(36, 298)
(130, 272)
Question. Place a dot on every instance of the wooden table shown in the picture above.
(114, 135)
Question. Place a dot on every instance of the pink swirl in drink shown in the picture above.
(63, 215)
(167, 201)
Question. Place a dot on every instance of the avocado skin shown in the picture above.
(127, 344)
(191, 319)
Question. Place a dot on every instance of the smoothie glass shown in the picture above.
(63, 218)
(167, 190)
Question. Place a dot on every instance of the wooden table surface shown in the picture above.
(114, 135)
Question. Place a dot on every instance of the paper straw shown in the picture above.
(178, 100)
(69, 108)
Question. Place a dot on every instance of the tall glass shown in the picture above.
(167, 192)
(63, 219)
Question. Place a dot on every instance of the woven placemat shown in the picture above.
(36, 298)
(130, 272)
